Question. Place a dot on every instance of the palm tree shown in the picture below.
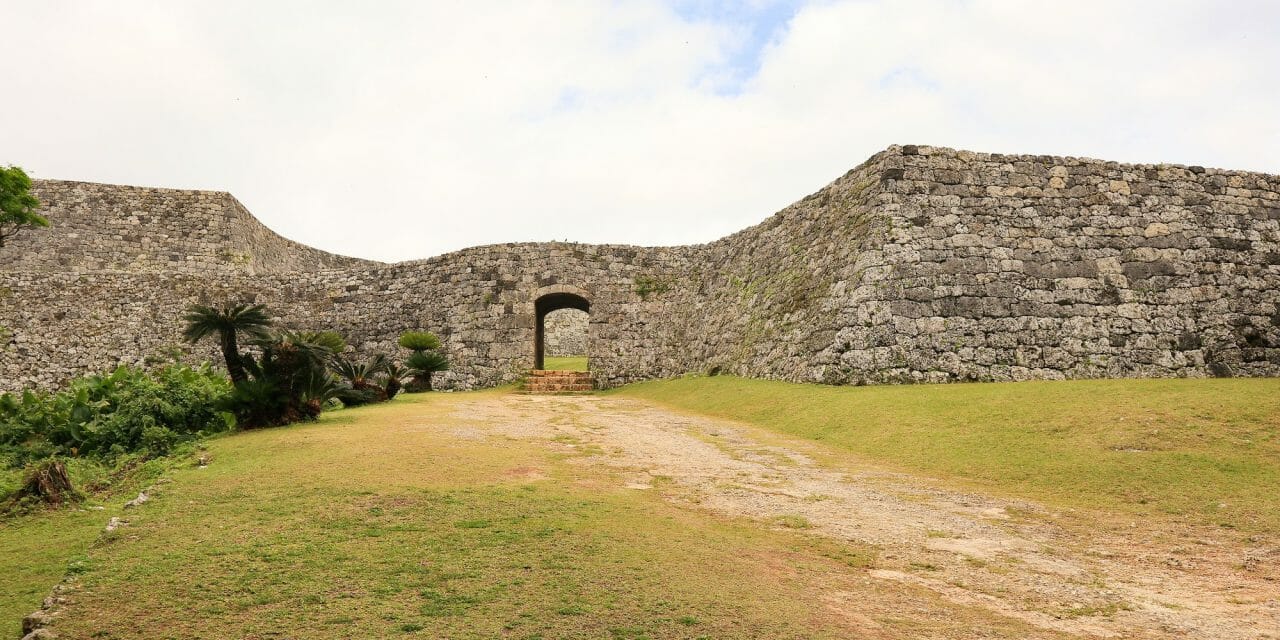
(227, 322)
(424, 363)
(361, 387)
(360, 375)
(395, 377)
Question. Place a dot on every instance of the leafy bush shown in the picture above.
(421, 365)
(331, 340)
(126, 411)
(419, 340)
(363, 382)
(287, 383)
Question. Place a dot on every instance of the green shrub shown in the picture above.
(287, 383)
(353, 397)
(421, 365)
(419, 340)
(105, 416)
(363, 382)
(331, 340)
(158, 439)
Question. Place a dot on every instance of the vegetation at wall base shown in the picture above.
(296, 374)
(1205, 450)
(365, 383)
(228, 322)
(425, 360)
(127, 411)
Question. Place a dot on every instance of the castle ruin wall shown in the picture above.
(922, 264)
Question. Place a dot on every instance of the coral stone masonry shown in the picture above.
(922, 264)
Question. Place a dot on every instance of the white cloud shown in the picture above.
(421, 128)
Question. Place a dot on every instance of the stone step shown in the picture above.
(551, 382)
(560, 386)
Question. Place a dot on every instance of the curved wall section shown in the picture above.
(106, 227)
(920, 265)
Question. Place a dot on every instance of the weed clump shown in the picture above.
(45, 483)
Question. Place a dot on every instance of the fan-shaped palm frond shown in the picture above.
(424, 363)
(228, 323)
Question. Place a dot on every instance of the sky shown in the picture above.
(398, 130)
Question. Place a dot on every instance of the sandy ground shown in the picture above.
(1081, 574)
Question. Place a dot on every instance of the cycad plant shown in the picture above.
(228, 322)
(425, 360)
(395, 374)
(287, 383)
(422, 364)
(363, 385)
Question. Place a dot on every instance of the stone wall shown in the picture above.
(920, 265)
(480, 301)
(566, 333)
(1000, 267)
(103, 227)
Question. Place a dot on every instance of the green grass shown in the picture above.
(1204, 450)
(379, 522)
(36, 550)
(565, 363)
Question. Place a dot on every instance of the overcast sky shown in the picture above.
(401, 130)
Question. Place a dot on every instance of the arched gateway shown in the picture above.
(554, 299)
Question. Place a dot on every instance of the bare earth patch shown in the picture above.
(1081, 574)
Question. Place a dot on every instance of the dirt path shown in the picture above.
(1117, 580)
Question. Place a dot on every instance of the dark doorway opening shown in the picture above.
(545, 305)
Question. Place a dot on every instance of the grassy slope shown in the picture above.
(380, 522)
(565, 363)
(1207, 449)
(36, 550)
(34, 553)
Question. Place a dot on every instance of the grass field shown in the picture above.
(397, 520)
(1206, 450)
(380, 522)
(34, 555)
(36, 550)
(565, 363)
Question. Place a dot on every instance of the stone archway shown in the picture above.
(553, 299)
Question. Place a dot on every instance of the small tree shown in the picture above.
(394, 381)
(287, 383)
(362, 379)
(17, 205)
(421, 365)
(228, 322)
(425, 360)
